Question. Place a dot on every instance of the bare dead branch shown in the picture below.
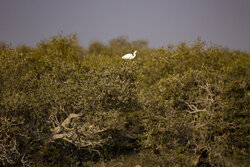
(194, 109)
(65, 123)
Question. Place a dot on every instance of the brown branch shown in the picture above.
(65, 123)
(194, 109)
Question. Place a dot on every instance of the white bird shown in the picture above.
(129, 55)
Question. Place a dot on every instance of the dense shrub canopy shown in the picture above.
(184, 105)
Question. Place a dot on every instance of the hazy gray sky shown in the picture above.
(161, 22)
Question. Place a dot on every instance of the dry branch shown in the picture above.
(194, 109)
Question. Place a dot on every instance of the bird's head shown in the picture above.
(135, 52)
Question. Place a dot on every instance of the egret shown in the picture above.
(129, 55)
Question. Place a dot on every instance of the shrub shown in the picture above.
(184, 105)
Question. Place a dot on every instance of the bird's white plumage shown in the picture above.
(129, 55)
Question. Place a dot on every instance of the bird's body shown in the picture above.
(129, 55)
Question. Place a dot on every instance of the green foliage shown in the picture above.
(96, 48)
(184, 105)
